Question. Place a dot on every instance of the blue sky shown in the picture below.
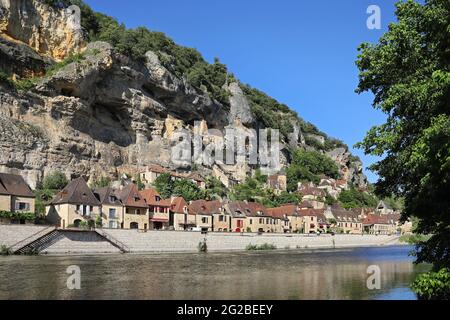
(300, 52)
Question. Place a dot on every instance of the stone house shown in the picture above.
(180, 218)
(203, 217)
(277, 182)
(260, 220)
(159, 209)
(379, 224)
(136, 211)
(384, 208)
(309, 220)
(112, 209)
(281, 214)
(74, 204)
(238, 216)
(15, 196)
(149, 175)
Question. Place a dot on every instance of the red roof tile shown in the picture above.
(131, 197)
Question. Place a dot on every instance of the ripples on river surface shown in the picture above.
(277, 275)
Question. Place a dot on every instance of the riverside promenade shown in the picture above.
(134, 241)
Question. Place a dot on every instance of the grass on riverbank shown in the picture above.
(5, 251)
(414, 238)
(265, 246)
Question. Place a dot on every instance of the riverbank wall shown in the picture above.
(134, 241)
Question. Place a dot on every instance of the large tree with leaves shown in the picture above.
(408, 73)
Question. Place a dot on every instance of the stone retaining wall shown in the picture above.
(173, 241)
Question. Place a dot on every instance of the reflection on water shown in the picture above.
(332, 274)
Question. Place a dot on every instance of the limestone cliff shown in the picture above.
(103, 113)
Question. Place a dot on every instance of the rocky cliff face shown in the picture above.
(104, 114)
(50, 32)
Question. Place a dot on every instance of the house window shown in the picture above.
(128, 210)
(23, 206)
(78, 207)
(112, 213)
(204, 220)
(261, 221)
(112, 199)
(251, 221)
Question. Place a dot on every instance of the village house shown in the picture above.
(378, 224)
(221, 222)
(277, 182)
(384, 208)
(281, 213)
(136, 215)
(238, 216)
(151, 173)
(324, 224)
(73, 205)
(348, 222)
(314, 195)
(260, 220)
(15, 196)
(203, 217)
(159, 210)
(180, 218)
(112, 210)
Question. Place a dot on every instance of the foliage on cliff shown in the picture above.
(408, 72)
(353, 198)
(309, 166)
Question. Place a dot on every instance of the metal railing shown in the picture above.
(122, 246)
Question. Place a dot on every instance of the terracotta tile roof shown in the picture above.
(155, 168)
(76, 192)
(153, 198)
(375, 219)
(196, 177)
(311, 212)
(321, 218)
(249, 209)
(178, 204)
(282, 212)
(107, 196)
(204, 207)
(15, 185)
(317, 192)
(131, 197)
(288, 210)
(305, 205)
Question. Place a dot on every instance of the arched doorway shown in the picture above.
(77, 223)
(134, 225)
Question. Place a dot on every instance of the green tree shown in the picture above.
(214, 188)
(408, 73)
(56, 180)
(188, 190)
(308, 166)
(353, 198)
(286, 198)
(164, 185)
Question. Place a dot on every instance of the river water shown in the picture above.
(323, 274)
